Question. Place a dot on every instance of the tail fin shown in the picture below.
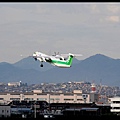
(70, 59)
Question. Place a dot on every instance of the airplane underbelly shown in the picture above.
(62, 65)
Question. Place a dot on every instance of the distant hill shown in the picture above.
(30, 63)
(97, 67)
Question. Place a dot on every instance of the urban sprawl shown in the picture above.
(19, 99)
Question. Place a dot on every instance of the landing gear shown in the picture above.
(41, 65)
(35, 59)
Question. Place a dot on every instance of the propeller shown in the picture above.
(56, 53)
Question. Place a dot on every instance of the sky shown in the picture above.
(80, 28)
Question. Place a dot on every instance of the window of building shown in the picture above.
(41, 99)
(29, 99)
(68, 99)
(79, 99)
(14, 98)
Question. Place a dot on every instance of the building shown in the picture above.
(5, 111)
(93, 88)
(115, 104)
(75, 97)
(14, 84)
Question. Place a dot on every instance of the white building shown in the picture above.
(115, 104)
(14, 83)
(75, 97)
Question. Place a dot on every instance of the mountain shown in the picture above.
(30, 63)
(97, 67)
(10, 73)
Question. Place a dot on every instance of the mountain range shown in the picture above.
(97, 68)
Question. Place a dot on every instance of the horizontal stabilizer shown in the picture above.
(75, 55)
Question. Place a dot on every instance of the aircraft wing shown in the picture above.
(44, 58)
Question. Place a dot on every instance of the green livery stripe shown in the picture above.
(68, 62)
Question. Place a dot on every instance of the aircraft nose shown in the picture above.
(34, 54)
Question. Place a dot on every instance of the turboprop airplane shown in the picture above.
(56, 60)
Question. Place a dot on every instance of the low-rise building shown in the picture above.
(14, 84)
(74, 97)
(5, 110)
(115, 104)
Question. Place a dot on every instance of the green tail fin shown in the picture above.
(70, 59)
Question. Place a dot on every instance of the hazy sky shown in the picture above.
(85, 28)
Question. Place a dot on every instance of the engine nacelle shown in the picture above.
(48, 59)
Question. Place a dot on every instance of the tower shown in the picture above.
(93, 88)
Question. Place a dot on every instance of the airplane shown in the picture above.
(56, 60)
